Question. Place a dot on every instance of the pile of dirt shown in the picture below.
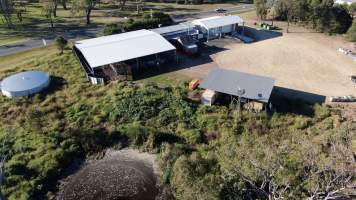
(125, 174)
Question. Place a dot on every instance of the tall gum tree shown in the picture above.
(85, 6)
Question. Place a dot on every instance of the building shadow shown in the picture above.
(184, 61)
(259, 35)
(287, 100)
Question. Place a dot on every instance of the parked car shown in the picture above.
(348, 98)
(220, 10)
(353, 79)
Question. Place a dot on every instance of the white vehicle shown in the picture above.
(348, 98)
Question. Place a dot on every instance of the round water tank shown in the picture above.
(25, 83)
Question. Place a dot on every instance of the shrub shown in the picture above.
(61, 43)
(301, 122)
(351, 33)
(111, 29)
(321, 111)
(137, 134)
(192, 136)
(148, 22)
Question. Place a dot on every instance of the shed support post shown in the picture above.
(157, 62)
(137, 64)
(207, 38)
(243, 28)
(176, 56)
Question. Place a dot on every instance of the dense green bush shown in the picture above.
(148, 21)
(323, 15)
(192, 136)
(34, 162)
(195, 178)
(321, 112)
(111, 29)
(351, 33)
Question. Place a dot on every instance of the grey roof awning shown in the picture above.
(174, 28)
(242, 84)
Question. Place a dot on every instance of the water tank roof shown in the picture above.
(25, 83)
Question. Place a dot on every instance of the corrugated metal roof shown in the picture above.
(174, 28)
(24, 81)
(121, 47)
(254, 87)
(218, 21)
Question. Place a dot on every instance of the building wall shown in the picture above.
(216, 32)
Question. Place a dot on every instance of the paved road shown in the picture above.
(198, 15)
(36, 43)
(93, 32)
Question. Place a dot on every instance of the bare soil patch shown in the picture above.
(125, 174)
(302, 61)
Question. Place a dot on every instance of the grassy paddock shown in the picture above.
(17, 59)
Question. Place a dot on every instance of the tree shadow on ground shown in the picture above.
(287, 100)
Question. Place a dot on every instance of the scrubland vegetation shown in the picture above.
(204, 152)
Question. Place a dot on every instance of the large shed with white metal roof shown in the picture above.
(110, 55)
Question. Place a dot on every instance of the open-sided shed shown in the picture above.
(126, 50)
(240, 84)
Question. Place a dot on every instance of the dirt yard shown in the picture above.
(305, 62)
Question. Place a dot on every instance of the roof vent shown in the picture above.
(259, 95)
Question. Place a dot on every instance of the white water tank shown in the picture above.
(25, 83)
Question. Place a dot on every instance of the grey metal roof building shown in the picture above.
(242, 84)
(173, 28)
(25, 83)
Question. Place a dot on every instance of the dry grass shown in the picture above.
(13, 60)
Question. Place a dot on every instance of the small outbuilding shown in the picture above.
(25, 83)
(217, 26)
(239, 84)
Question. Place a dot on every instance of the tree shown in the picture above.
(48, 9)
(6, 10)
(287, 10)
(61, 43)
(121, 4)
(111, 29)
(261, 8)
(140, 4)
(85, 6)
(271, 7)
(352, 9)
(351, 33)
(64, 4)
